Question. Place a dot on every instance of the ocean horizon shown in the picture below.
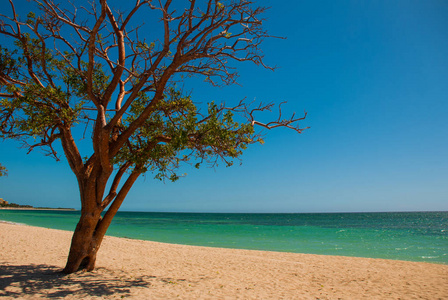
(411, 236)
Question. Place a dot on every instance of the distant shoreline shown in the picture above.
(37, 208)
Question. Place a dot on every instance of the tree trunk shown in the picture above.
(86, 241)
(91, 228)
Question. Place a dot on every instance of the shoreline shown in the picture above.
(243, 213)
(440, 259)
(38, 208)
(138, 269)
(269, 251)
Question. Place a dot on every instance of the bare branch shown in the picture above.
(291, 123)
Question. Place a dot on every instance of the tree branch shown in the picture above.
(291, 123)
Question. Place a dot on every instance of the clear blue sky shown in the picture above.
(373, 77)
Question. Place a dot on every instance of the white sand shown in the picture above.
(134, 269)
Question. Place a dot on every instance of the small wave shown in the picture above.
(430, 256)
(12, 223)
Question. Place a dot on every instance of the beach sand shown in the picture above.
(132, 269)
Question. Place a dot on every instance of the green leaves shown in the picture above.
(38, 104)
(3, 171)
(177, 131)
(76, 80)
(59, 71)
(40, 108)
(9, 66)
(144, 46)
(30, 18)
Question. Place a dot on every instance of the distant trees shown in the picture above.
(13, 205)
(85, 69)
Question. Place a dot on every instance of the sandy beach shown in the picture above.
(132, 269)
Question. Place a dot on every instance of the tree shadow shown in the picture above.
(47, 281)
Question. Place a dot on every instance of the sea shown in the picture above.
(410, 236)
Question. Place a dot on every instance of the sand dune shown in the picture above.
(132, 269)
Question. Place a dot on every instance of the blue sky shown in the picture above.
(372, 76)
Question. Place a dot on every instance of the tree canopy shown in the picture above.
(111, 75)
(85, 67)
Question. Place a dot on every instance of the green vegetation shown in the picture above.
(5, 204)
(3, 171)
(14, 205)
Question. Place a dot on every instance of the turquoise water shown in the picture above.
(414, 236)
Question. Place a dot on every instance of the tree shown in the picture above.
(90, 69)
